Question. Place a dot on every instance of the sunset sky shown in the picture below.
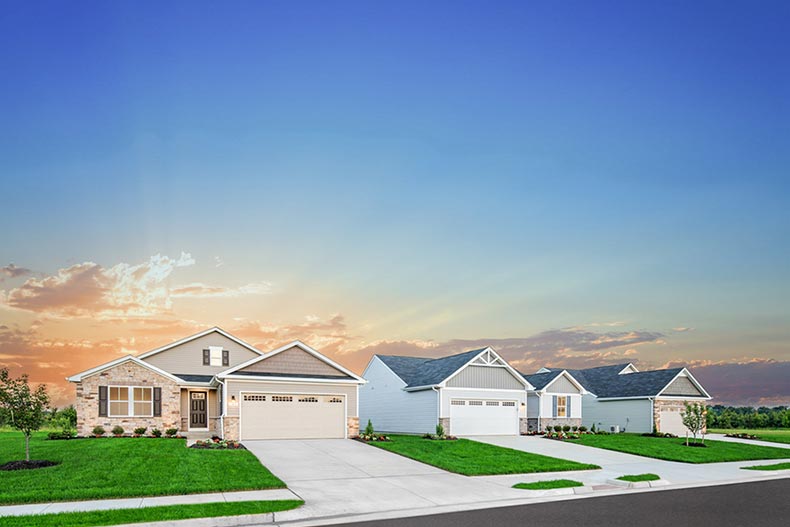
(573, 184)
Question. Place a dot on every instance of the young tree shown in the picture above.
(24, 408)
(694, 418)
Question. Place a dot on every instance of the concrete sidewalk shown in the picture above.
(722, 437)
(136, 503)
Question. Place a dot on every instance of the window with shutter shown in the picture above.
(225, 357)
(157, 402)
(102, 401)
(206, 358)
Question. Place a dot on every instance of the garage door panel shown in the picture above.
(672, 423)
(292, 416)
(483, 417)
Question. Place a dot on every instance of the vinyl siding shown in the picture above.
(485, 377)
(632, 415)
(235, 386)
(682, 386)
(462, 393)
(294, 361)
(390, 409)
(533, 406)
(187, 358)
(562, 385)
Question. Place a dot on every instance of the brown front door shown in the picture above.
(197, 410)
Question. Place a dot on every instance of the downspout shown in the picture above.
(653, 414)
(222, 411)
(438, 408)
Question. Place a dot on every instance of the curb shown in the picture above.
(638, 484)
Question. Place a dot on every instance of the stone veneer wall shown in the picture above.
(548, 422)
(523, 425)
(231, 428)
(352, 424)
(669, 405)
(445, 422)
(126, 374)
(532, 425)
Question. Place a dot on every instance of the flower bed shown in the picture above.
(367, 438)
(742, 436)
(218, 444)
(562, 436)
(434, 437)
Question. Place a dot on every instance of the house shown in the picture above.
(214, 383)
(472, 393)
(625, 399)
(554, 400)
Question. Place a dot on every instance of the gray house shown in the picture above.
(555, 399)
(623, 398)
(472, 393)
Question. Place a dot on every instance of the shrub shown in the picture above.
(593, 428)
(369, 429)
(440, 431)
(557, 428)
(117, 430)
(156, 432)
(427, 436)
(170, 432)
(61, 434)
(575, 428)
(566, 428)
(582, 429)
(98, 431)
(139, 431)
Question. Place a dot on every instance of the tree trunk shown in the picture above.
(27, 447)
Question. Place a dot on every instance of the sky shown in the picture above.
(573, 184)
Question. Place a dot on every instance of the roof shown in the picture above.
(541, 380)
(186, 377)
(126, 358)
(607, 382)
(420, 371)
(215, 329)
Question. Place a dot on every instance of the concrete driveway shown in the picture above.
(339, 477)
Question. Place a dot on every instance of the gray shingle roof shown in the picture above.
(541, 380)
(420, 371)
(194, 378)
(606, 381)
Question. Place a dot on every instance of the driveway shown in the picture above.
(339, 477)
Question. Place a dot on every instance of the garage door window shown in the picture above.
(282, 398)
(259, 398)
(335, 400)
(308, 399)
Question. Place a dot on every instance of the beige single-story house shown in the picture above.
(214, 383)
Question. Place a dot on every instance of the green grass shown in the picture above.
(549, 484)
(775, 435)
(674, 449)
(639, 477)
(777, 466)
(127, 467)
(149, 514)
(471, 458)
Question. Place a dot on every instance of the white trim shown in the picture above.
(451, 388)
(130, 401)
(215, 329)
(685, 373)
(345, 405)
(304, 379)
(303, 347)
(630, 366)
(488, 351)
(189, 411)
(681, 398)
(571, 378)
(291, 381)
(93, 371)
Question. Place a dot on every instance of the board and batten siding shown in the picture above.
(547, 406)
(632, 415)
(682, 386)
(187, 358)
(485, 377)
(390, 408)
(447, 394)
(562, 385)
(235, 387)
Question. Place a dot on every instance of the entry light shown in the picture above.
(233, 401)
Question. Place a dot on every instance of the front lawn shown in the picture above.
(777, 466)
(149, 514)
(471, 458)
(775, 435)
(674, 449)
(549, 484)
(123, 468)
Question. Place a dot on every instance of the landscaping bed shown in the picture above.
(471, 458)
(27, 465)
(774, 435)
(215, 443)
(122, 468)
(675, 449)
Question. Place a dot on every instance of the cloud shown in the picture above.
(199, 290)
(682, 329)
(12, 271)
(330, 336)
(218, 262)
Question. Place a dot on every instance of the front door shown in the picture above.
(198, 417)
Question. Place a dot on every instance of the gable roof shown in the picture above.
(607, 382)
(418, 372)
(215, 329)
(349, 375)
(127, 358)
(543, 379)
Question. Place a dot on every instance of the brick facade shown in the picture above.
(549, 422)
(126, 374)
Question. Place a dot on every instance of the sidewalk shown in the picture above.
(136, 503)
(722, 437)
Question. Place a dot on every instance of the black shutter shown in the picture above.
(157, 402)
(102, 401)
(225, 358)
(206, 358)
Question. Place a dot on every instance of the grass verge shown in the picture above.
(549, 484)
(124, 468)
(674, 449)
(639, 477)
(149, 514)
(471, 458)
(777, 466)
(774, 435)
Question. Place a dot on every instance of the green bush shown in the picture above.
(369, 431)
(582, 429)
(170, 432)
(440, 431)
(566, 428)
(98, 431)
(139, 431)
(156, 432)
(61, 434)
(557, 428)
(117, 430)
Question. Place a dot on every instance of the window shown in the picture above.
(508, 403)
(282, 398)
(457, 402)
(259, 398)
(126, 401)
(492, 403)
(562, 406)
(475, 403)
(215, 355)
(335, 400)
(308, 399)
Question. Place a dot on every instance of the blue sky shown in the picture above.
(456, 170)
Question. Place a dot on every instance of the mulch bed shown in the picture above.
(698, 445)
(27, 465)
(742, 436)
(210, 445)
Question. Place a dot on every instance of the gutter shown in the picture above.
(222, 410)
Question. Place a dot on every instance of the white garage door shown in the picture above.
(483, 417)
(286, 416)
(672, 423)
